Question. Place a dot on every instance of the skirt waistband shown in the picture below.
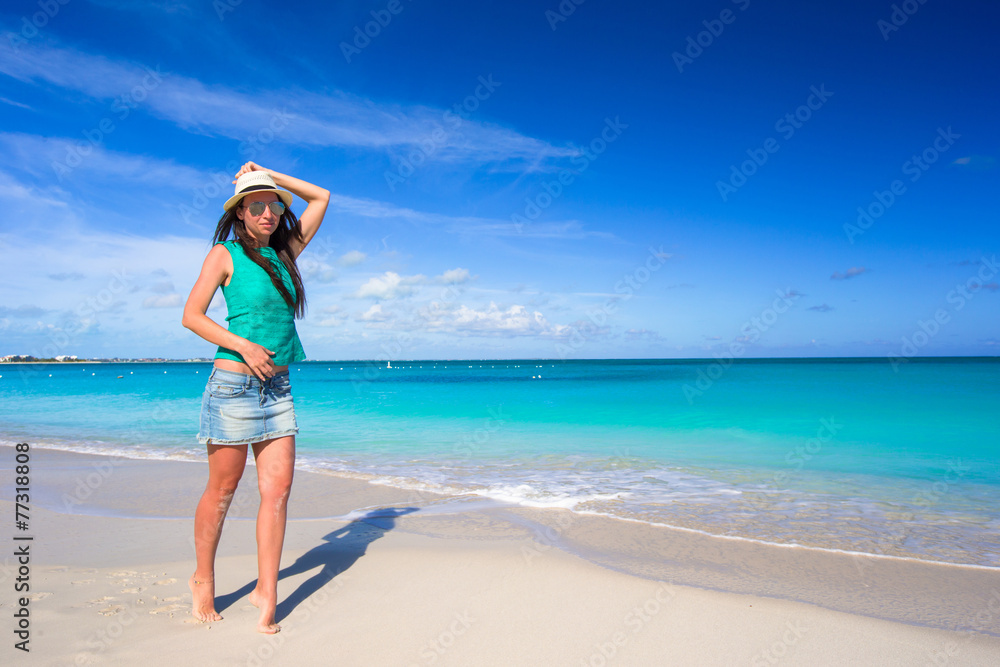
(245, 379)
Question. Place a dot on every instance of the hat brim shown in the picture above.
(284, 195)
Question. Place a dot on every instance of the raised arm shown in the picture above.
(216, 270)
(316, 199)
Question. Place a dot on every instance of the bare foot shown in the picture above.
(203, 599)
(267, 606)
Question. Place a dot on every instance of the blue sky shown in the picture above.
(513, 179)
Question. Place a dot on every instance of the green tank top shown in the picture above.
(256, 310)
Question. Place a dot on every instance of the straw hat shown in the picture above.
(257, 181)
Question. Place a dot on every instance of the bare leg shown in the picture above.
(275, 466)
(225, 467)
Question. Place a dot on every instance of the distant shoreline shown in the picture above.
(707, 360)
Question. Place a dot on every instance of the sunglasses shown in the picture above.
(257, 208)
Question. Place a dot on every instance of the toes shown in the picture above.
(207, 616)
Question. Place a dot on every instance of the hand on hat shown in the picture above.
(247, 168)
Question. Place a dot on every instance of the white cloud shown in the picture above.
(472, 225)
(11, 188)
(352, 258)
(467, 225)
(81, 275)
(37, 154)
(374, 314)
(333, 319)
(454, 276)
(175, 183)
(389, 286)
(165, 179)
(492, 321)
(15, 104)
(334, 119)
(163, 301)
(24, 327)
(312, 270)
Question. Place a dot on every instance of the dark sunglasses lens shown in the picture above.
(257, 208)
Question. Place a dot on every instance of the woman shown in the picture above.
(248, 398)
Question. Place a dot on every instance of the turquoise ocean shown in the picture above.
(849, 454)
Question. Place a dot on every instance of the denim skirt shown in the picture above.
(238, 409)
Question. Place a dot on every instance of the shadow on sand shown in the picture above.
(339, 551)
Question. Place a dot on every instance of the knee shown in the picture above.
(226, 491)
(224, 488)
(275, 490)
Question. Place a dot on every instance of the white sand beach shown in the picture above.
(373, 575)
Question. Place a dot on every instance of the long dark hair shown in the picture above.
(288, 228)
